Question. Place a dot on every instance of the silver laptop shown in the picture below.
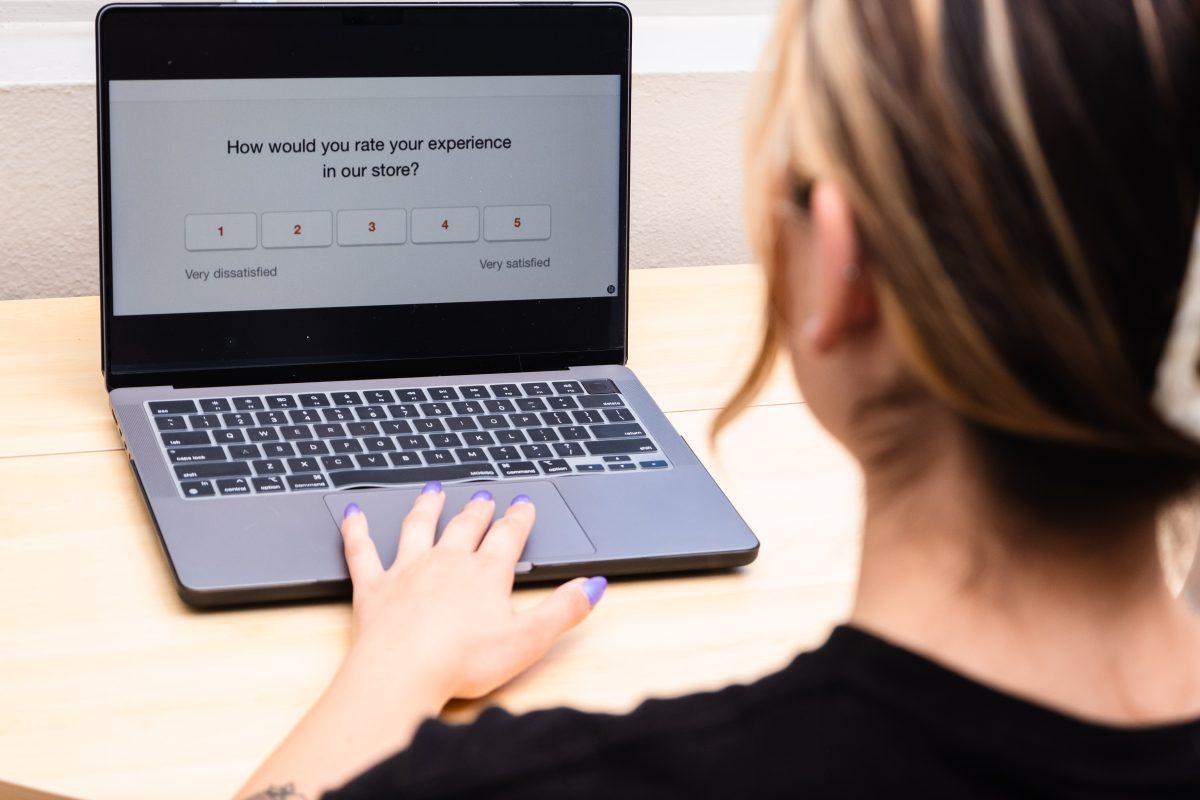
(347, 250)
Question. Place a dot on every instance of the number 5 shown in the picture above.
(516, 222)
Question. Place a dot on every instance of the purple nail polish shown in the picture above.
(482, 494)
(594, 589)
(521, 498)
(351, 510)
(433, 487)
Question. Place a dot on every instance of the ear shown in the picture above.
(843, 301)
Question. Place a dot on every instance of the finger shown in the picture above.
(565, 608)
(507, 536)
(420, 524)
(466, 529)
(362, 558)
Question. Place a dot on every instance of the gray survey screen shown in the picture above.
(240, 195)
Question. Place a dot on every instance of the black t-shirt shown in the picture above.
(856, 718)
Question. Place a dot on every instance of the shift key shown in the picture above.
(215, 469)
(607, 447)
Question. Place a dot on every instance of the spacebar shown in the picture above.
(450, 472)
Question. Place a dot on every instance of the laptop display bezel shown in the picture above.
(155, 42)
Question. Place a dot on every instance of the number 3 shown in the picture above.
(371, 226)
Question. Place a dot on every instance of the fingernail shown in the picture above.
(433, 487)
(594, 589)
(521, 498)
(351, 510)
(482, 494)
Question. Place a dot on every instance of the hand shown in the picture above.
(445, 609)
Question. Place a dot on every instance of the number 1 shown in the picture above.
(220, 230)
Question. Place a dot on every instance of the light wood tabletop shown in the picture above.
(110, 687)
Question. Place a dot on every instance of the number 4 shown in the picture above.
(445, 224)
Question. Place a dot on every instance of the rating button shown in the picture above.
(297, 229)
(220, 231)
(516, 223)
(445, 225)
(380, 226)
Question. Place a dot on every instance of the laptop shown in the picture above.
(347, 250)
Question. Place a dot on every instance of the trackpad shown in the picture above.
(556, 534)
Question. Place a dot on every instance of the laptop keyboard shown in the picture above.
(277, 443)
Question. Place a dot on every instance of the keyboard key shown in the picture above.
(469, 454)
(394, 427)
(410, 395)
(238, 419)
(198, 489)
(656, 464)
(416, 442)
(370, 412)
(272, 449)
(232, 436)
(518, 468)
(379, 443)
(212, 469)
(281, 401)
(616, 458)
(445, 440)
(303, 465)
(536, 451)
(507, 453)
(270, 466)
(474, 392)
(248, 403)
(618, 415)
(556, 418)
(171, 423)
(172, 407)
(478, 438)
(492, 421)
(461, 423)
(467, 407)
(371, 460)
(215, 404)
(610, 446)
(599, 386)
(262, 434)
(617, 431)
(621, 467)
(186, 438)
(523, 420)
(338, 415)
(304, 415)
(403, 411)
(205, 422)
(568, 449)
(510, 437)
(330, 430)
(536, 389)
(531, 404)
(574, 432)
(296, 432)
(447, 472)
(443, 393)
(439, 457)
(244, 451)
(554, 466)
(268, 484)
(311, 448)
(542, 435)
(331, 463)
(436, 409)
(301, 482)
(191, 455)
(362, 429)
(379, 397)
(404, 459)
(271, 418)
(560, 403)
(499, 406)
(346, 398)
(346, 445)
(428, 425)
(590, 415)
(505, 390)
(600, 401)
(314, 400)
(229, 486)
(568, 387)
(589, 468)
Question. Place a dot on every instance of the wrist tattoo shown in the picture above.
(285, 791)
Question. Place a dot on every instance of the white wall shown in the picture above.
(690, 80)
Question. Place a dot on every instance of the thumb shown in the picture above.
(565, 608)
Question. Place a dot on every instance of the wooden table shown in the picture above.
(111, 688)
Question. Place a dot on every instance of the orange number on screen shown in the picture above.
(220, 230)
(371, 227)
(445, 224)
(295, 230)
(516, 222)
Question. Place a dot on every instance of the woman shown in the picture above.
(976, 219)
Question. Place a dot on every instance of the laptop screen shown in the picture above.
(253, 194)
(342, 191)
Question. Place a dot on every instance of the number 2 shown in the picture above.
(295, 230)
